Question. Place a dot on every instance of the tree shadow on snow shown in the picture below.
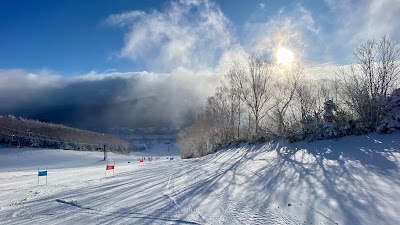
(331, 181)
(326, 181)
(340, 176)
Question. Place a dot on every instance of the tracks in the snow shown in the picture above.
(199, 187)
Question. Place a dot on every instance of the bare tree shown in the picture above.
(254, 82)
(285, 90)
(218, 110)
(374, 74)
(214, 127)
(199, 139)
(234, 84)
(379, 63)
(306, 102)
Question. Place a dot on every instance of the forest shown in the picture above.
(20, 132)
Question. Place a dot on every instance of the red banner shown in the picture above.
(108, 167)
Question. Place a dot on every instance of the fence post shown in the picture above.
(105, 153)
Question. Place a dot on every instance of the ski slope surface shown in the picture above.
(354, 180)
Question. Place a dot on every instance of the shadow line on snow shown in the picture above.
(328, 171)
(264, 175)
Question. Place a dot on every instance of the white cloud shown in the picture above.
(124, 19)
(14, 79)
(189, 34)
(356, 22)
(112, 74)
(322, 36)
(382, 17)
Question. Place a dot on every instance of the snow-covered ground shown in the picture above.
(354, 180)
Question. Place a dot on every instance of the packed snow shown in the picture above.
(353, 180)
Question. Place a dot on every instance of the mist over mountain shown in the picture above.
(141, 112)
(102, 102)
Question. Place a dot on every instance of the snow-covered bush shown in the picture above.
(330, 123)
(391, 120)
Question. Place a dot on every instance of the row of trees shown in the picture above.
(260, 100)
(48, 135)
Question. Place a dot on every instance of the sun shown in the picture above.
(284, 56)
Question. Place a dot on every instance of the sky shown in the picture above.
(52, 44)
(75, 37)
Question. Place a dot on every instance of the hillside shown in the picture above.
(354, 180)
(33, 133)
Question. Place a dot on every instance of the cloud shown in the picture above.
(19, 87)
(368, 20)
(186, 48)
(14, 78)
(196, 35)
(124, 19)
(321, 32)
(322, 71)
(100, 100)
(292, 27)
(355, 22)
(188, 34)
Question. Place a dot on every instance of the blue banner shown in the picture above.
(42, 173)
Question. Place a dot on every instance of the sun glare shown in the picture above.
(284, 56)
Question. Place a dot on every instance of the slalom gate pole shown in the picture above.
(110, 167)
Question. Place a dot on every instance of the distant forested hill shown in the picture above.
(33, 133)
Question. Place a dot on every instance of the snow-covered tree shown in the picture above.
(329, 107)
(370, 79)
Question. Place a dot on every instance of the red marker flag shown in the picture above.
(109, 167)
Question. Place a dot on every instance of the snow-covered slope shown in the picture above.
(354, 180)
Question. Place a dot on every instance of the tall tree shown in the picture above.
(285, 89)
(233, 84)
(254, 81)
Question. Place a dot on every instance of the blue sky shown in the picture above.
(73, 38)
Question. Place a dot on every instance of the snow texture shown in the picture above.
(354, 180)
